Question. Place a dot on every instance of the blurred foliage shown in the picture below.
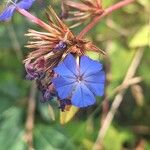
(120, 34)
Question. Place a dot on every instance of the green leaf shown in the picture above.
(114, 139)
(47, 112)
(11, 131)
(145, 3)
(141, 37)
(47, 137)
(88, 145)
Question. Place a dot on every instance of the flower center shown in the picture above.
(79, 78)
(60, 46)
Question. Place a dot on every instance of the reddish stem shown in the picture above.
(106, 12)
(33, 18)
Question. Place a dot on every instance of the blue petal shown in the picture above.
(96, 83)
(25, 4)
(98, 77)
(7, 13)
(67, 67)
(82, 96)
(63, 86)
(88, 66)
(96, 88)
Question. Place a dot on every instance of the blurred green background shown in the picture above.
(121, 34)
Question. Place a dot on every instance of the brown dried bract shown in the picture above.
(81, 11)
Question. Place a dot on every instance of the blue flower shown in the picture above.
(60, 46)
(9, 11)
(80, 82)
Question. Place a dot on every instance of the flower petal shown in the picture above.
(7, 13)
(96, 83)
(63, 86)
(25, 4)
(98, 77)
(96, 88)
(88, 66)
(82, 96)
(67, 67)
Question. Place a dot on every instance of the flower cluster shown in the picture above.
(58, 62)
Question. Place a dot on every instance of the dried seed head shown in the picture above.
(81, 11)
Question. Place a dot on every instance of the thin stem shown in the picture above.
(106, 12)
(30, 117)
(35, 19)
(118, 99)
